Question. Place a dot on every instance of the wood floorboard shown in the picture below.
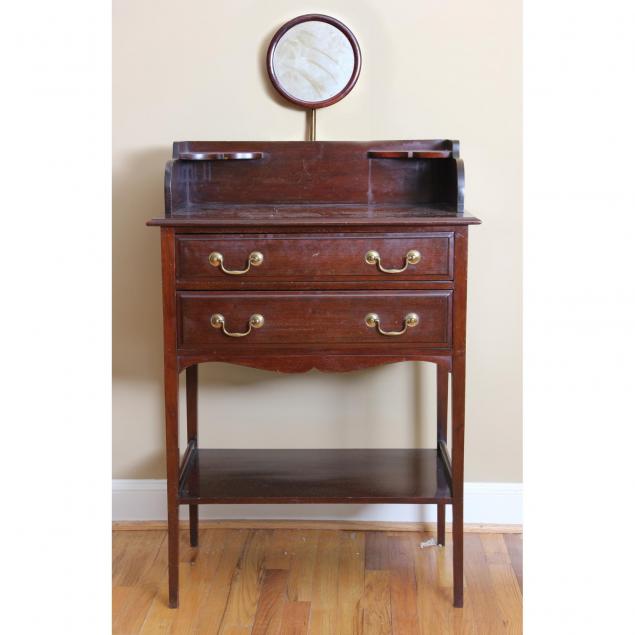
(300, 587)
(130, 605)
(273, 597)
(219, 583)
(247, 584)
(350, 582)
(433, 592)
(304, 581)
(295, 618)
(514, 544)
(323, 616)
(376, 603)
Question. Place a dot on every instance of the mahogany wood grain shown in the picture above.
(171, 388)
(298, 361)
(458, 410)
(289, 258)
(316, 476)
(442, 437)
(310, 319)
(319, 218)
(442, 403)
(191, 390)
(254, 284)
(409, 154)
(220, 156)
(441, 524)
(325, 171)
(314, 210)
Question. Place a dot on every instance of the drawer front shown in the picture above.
(421, 256)
(297, 320)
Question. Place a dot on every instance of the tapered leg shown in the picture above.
(442, 436)
(191, 389)
(441, 524)
(172, 460)
(458, 423)
(171, 388)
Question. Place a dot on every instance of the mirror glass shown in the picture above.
(313, 61)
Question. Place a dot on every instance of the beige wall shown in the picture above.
(193, 69)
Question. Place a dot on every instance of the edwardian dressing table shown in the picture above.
(289, 256)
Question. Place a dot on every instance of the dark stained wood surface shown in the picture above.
(458, 408)
(246, 146)
(171, 394)
(310, 319)
(409, 154)
(191, 395)
(220, 156)
(301, 361)
(316, 215)
(313, 209)
(302, 257)
(315, 476)
(305, 172)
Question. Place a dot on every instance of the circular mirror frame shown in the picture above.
(357, 60)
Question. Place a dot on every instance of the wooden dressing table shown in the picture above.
(290, 256)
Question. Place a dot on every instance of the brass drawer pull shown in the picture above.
(255, 259)
(372, 257)
(372, 320)
(255, 322)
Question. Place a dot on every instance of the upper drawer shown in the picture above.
(296, 258)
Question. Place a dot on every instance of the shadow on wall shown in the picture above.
(136, 277)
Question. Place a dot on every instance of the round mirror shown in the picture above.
(314, 60)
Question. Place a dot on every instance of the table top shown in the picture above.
(317, 214)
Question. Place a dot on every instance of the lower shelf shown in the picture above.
(315, 476)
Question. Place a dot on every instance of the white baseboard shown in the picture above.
(485, 503)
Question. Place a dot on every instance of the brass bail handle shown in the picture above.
(255, 322)
(255, 260)
(372, 257)
(372, 320)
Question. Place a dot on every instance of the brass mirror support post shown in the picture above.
(312, 120)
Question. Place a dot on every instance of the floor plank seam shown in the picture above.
(256, 581)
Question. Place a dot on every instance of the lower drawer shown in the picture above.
(295, 319)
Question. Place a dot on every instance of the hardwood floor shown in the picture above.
(299, 581)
